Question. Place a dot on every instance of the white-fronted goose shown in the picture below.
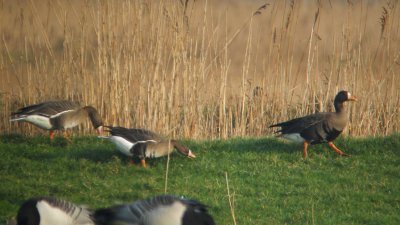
(319, 127)
(51, 211)
(143, 143)
(159, 210)
(58, 115)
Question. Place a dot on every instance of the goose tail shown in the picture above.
(17, 118)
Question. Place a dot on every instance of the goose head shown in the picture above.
(341, 97)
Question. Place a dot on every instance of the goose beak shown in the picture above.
(191, 155)
(100, 130)
(352, 98)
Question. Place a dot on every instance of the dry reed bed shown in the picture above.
(203, 69)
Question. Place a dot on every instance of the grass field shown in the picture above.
(269, 182)
(203, 70)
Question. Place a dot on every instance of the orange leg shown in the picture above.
(305, 145)
(336, 149)
(52, 134)
(143, 162)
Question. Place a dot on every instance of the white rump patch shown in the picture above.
(172, 213)
(40, 121)
(50, 215)
(294, 137)
(122, 144)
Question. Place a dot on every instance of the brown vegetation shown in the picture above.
(203, 69)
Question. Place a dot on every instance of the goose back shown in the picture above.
(51, 211)
(135, 135)
(47, 109)
(160, 210)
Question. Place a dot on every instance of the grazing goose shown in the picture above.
(319, 127)
(159, 210)
(50, 211)
(143, 143)
(58, 115)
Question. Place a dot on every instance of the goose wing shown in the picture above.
(46, 108)
(134, 135)
(300, 124)
(79, 214)
(155, 211)
(53, 211)
(131, 214)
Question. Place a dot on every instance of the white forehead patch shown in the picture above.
(348, 94)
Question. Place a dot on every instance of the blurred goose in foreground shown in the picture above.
(143, 143)
(319, 127)
(51, 211)
(159, 210)
(58, 115)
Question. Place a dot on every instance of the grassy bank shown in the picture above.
(269, 182)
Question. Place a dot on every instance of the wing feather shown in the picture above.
(299, 124)
(134, 135)
(46, 108)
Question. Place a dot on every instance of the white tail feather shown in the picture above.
(17, 118)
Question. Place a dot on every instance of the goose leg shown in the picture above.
(143, 162)
(52, 134)
(338, 151)
(305, 145)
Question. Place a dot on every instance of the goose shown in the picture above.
(52, 211)
(159, 210)
(318, 128)
(143, 143)
(58, 115)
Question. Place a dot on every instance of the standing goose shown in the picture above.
(143, 143)
(51, 211)
(319, 127)
(159, 210)
(58, 115)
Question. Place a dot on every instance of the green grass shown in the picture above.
(269, 181)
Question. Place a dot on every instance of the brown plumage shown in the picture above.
(319, 127)
(143, 143)
(58, 115)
